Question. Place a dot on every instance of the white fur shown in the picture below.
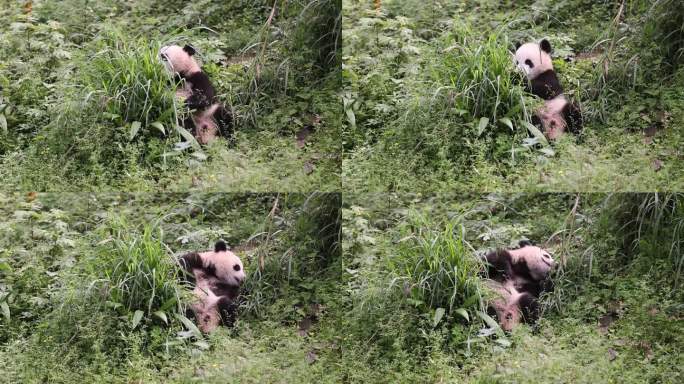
(532, 51)
(176, 60)
(225, 263)
(538, 260)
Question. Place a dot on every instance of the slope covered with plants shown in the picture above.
(615, 315)
(89, 290)
(86, 104)
(433, 101)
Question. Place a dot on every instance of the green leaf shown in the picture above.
(507, 122)
(439, 313)
(159, 126)
(135, 127)
(484, 121)
(491, 323)
(168, 303)
(351, 117)
(189, 325)
(3, 124)
(5, 310)
(535, 132)
(162, 316)
(463, 313)
(188, 136)
(137, 316)
(548, 151)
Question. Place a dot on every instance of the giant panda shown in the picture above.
(209, 118)
(519, 275)
(217, 276)
(558, 113)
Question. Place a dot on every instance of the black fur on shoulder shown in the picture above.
(203, 93)
(546, 85)
(189, 262)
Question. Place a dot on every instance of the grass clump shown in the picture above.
(139, 273)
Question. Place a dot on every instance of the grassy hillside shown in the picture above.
(615, 316)
(85, 103)
(433, 102)
(89, 291)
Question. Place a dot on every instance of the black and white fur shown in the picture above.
(209, 118)
(519, 276)
(558, 113)
(217, 276)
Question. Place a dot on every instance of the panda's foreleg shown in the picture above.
(573, 117)
(227, 310)
(224, 120)
(529, 306)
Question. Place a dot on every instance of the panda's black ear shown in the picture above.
(525, 243)
(545, 46)
(189, 49)
(517, 45)
(220, 246)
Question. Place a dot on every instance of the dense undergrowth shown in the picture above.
(615, 316)
(89, 288)
(432, 100)
(86, 104)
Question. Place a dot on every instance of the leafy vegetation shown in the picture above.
(90, 288)
(615, 315)
(85, 103)
(433, 102)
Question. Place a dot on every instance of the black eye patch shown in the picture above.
(529, 63)
(236, 267)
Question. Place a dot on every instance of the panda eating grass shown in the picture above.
(217, 276)
(558, 113)
(518, 277)
(209, 118)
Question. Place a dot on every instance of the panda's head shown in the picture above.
(533, 59)
(538, 260)
(228, 266)
(179, 60)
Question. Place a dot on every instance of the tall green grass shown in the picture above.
(139, 272)
(438, 270)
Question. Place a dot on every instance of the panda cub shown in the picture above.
(209, 118)
(558, 113)
(217, 276)
(518, 276)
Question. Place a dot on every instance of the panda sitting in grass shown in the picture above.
(209, 119)
(558, 114)
(217, 276)
(518, 277)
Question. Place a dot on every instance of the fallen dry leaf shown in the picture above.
(309, 168)
(311, 357)
(657, 165)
